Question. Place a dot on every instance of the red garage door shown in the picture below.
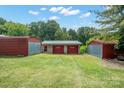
(72, 49)
(58, 49)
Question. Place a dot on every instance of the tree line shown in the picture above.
(49, 30)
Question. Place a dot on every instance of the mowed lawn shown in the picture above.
(47, 70)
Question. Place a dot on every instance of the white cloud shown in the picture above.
(85, 15)
(56, 9)
(43, 9)
(68, 11)
(65, 11)
(54, 18)
(108, 7)
(44, 18)
(33, 12)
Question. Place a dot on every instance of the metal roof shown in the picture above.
(14, 36)
(2, 36)
(61, 42)
(105, 42)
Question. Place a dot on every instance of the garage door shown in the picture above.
(95, 50)
(34, 48)
(72, 49)
(58, 49)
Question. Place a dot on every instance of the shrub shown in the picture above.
(83, 49)
(120, 45)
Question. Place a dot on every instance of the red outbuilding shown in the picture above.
(19, 45)
(102, 49)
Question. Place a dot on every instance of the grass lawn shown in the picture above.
(47, 70)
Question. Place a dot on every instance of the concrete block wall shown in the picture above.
(49, 49)
(65, 49)
(78, 49)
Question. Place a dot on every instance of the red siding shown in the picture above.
(32, 39)
(96, 42)
(14, 46)
(72, 49)
(108, 51)
(58, 49)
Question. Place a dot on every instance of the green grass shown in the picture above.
(45, 70)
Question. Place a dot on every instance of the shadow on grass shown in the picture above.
(18, 56)
(6, 56)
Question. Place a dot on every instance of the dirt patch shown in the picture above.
(113, 63)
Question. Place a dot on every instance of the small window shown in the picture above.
(45, 48)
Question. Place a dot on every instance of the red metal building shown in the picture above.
(61, 47)
(19, 45)
(102, 49)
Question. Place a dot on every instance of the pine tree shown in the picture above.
(112, 19)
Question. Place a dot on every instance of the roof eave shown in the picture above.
(59, 44)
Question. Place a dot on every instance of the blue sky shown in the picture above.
(67, 16)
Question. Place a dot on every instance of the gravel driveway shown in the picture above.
(113, 63)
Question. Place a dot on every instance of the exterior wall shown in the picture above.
(78, 49)
(72, 49)
(23, 47)
(108, 51)
(58, 49)
(65, 49)
(32, 39)
(19, 46)
(42, 48)
(13, 46)
(49, 49)
(96, 50)
(34, 48)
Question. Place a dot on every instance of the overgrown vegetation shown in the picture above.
(83, 49)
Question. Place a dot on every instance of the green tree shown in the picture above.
(46, 31)
(64, 29)
(59, 35)
(112, 19)
(38, 29)
(66, 35)
(2, 21)
(72, 33)
(2, 27)
(51, 27)
(16, 29)
(84, 33)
